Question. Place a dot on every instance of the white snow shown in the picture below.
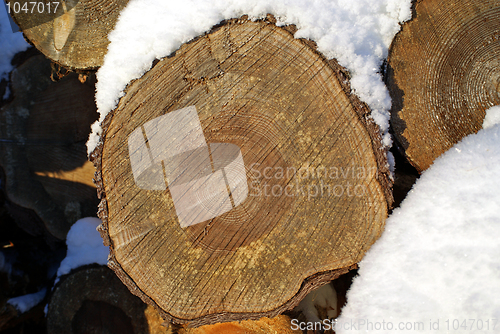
(356, 33)
(325, 297)
(26, 302)
(84, 246)
(7, 93)
(437, 261)
(492, 117)
(10, 43)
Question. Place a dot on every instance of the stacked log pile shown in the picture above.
(238, 174)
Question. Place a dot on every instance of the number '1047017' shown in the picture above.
(32, 7)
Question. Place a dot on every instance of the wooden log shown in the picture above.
(280, 324)
(75, 35)
(278, 215)
(43, 133)
(443, 73)
(93, 300)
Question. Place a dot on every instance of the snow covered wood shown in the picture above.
(43, 131)
(93, 300)
(443, 73)
(356, 33)
(299, 165)
(71, 33)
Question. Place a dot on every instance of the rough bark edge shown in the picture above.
(396, 94)
(383, 176)
(309, 283)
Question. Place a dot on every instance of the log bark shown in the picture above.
(291, 221)
(443, 73)
(93, 300)
(43, 133)
(75, 35)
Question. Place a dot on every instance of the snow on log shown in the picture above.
(43, 132)
(93, 300)
(237, 175)
(71, 33)
(443, 73)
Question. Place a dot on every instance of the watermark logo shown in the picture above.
(397, 326)
(204, 180)
(30, 14)
(310, 181)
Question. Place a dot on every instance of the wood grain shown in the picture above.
(76, 35)
(282, 104)
(443, 73)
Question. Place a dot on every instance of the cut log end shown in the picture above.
(72, 33)
(443, 74)
(93, 300)
(238, 175)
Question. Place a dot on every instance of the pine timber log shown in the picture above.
(75, 35)
(269, 225)
(277, 325)
(43, 133)
(93, 300)
(443, 73)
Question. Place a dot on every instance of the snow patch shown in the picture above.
(10, 44)
(492, 117)
(7, 93)
(27, 302)
(325, 297)
(357, 33)
(84, 246)
(438, 256)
